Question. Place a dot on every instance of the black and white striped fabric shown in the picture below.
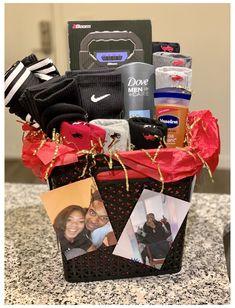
(17, 79)
(22, 75)
(44, 69)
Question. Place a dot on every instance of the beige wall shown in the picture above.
(21, 39)
(203, 31)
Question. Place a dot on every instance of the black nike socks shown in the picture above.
(101, 95)
(32, 86)
(26, 99)
(55, 110)
(54, 91)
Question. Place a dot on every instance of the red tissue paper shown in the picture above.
(41, 154)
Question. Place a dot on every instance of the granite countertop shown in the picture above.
(34, 272)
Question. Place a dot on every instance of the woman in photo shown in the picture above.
(70, 228)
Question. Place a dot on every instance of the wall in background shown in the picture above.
(203, 31)
(22, 37)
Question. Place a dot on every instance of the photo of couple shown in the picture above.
(79, 218)
(151, 228)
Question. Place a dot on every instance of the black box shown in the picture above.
(110, 43)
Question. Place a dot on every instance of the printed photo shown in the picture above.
(79, 218)
(152, 228)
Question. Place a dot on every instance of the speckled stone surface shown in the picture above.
(34, 273)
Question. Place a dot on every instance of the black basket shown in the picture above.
(102, 264)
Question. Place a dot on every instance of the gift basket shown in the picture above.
(78, 126)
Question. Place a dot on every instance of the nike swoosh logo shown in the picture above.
(97, 99)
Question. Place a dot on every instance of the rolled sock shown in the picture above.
(171, 76)
(44, 85)
(146, 133)
(57, 109)
(55, 123)
(64, 90)
(165, 46)
(117, 134)
(171, 59)
(26, 100)
(101, 95)
(22, 75)
(17, 79)
(44, 66)
(82, 135)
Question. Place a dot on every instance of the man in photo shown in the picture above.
(97, 222)
(79, 218)
(80, 230)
